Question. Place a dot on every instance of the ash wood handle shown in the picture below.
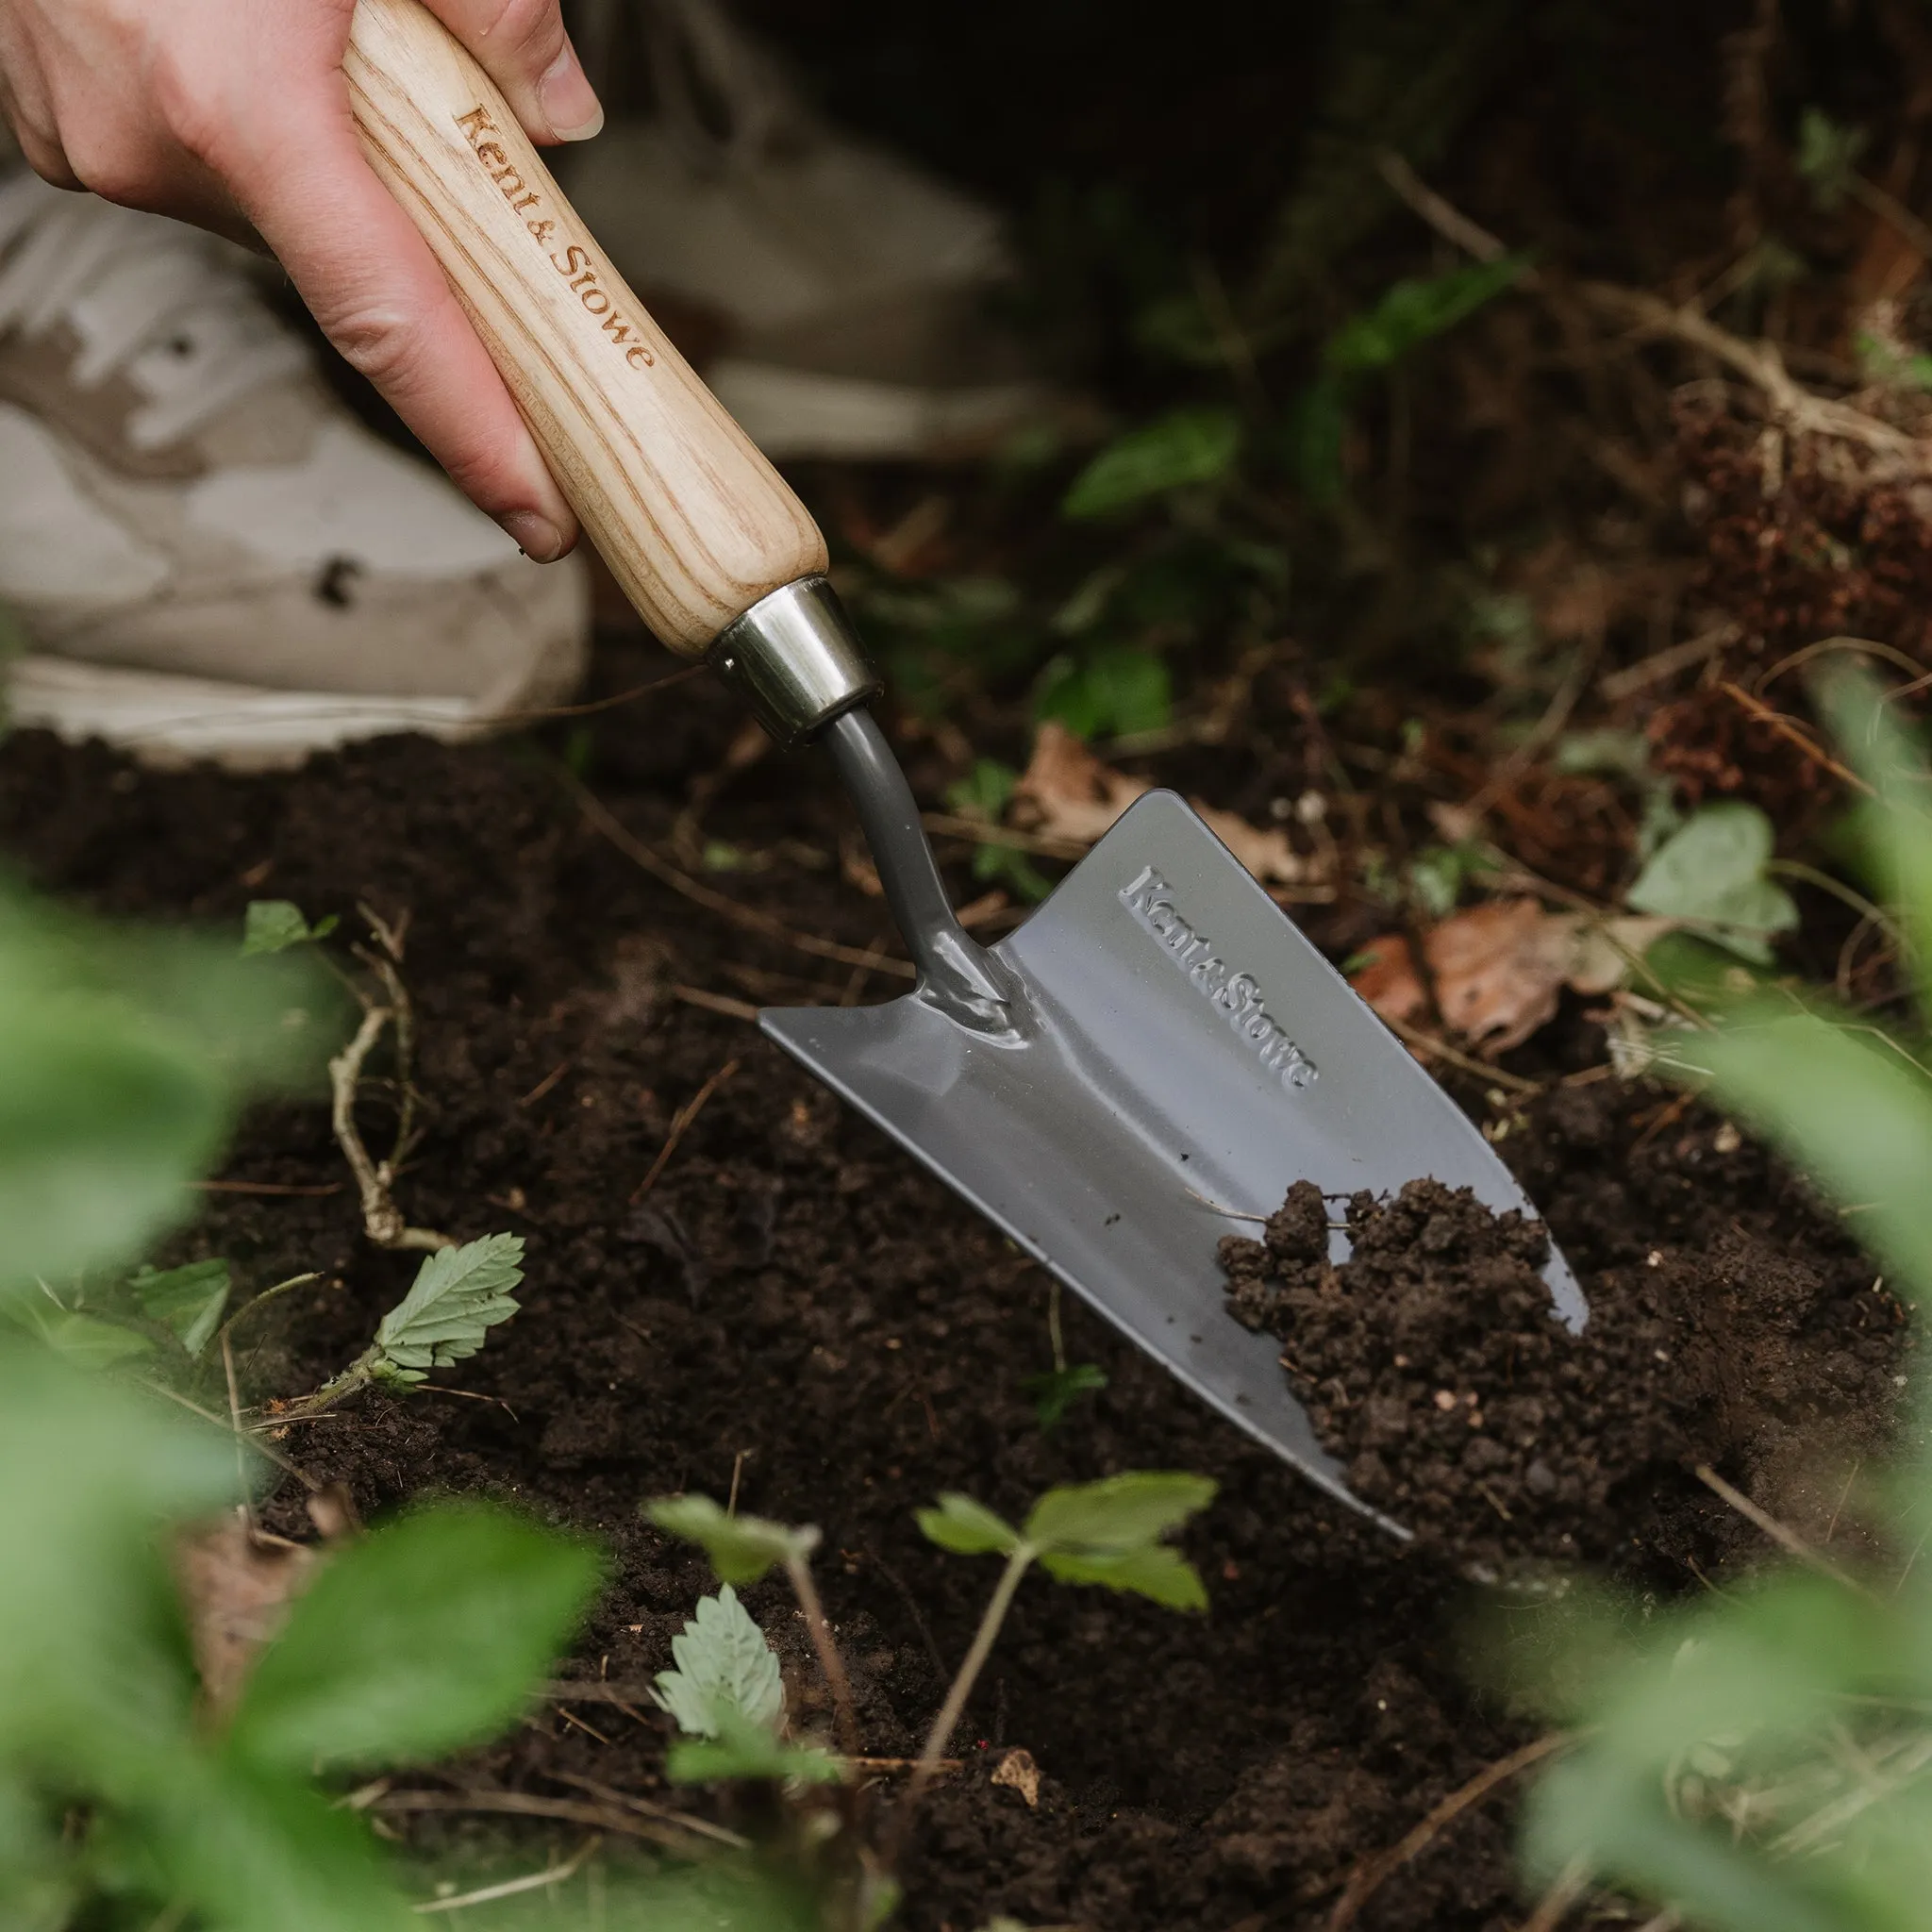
(694, 523)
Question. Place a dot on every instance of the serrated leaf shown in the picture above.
(1055, 1391)
(1156, 1571)
(725, 1669)
(741, 1548)
(1116, 1514)
(1711, 872)
(743, 1750)
(425, 1636)
(187, 1301)
(966, 1527)
(1184, 448)
(273, 926)
(457, 1296)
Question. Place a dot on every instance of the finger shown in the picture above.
(526, 50)
(376, 289)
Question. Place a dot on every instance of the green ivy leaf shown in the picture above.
(1185, 448)
(273, 926)
(187, 1301)
(967, 1529)
(424, 1637)
(1055, 1391)
(741, 1548)
(744, 1750)
(458, 1296)
(1711, 873)
(725, 1669)
(1118, 1513)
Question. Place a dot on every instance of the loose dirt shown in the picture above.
(794, 1303)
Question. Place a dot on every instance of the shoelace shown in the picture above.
(146, 297)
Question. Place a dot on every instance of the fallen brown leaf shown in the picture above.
(235, 1586)
(1499, 968)
(1067, 793)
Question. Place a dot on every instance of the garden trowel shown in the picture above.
(1143, 1066)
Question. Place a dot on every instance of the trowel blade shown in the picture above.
(1184, 1055)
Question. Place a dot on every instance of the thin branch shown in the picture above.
(680, 1126)
(822, 1641)
(1784, 1537)
(509, 1888)
(1793, 733)
(382, 1220)
(1369, 1878)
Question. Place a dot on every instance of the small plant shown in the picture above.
(1110, 1533)
(458, 1296)
(1056, 1389)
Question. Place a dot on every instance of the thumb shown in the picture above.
(523, 46)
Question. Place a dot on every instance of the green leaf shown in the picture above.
(1896, 831)
(1411, 312)
(1844, 1106)
(1182, 449)
(458, 1296)
(1111, 692)
(83, 1341)
(1712, 873)
(744, 1750)
(1827, 154)
(1156, 1571)
(187, 1301)
(1316, 428)
(986, 794)
(725, 1669)
(424, 1637)
(1118, 1513)
(1055, 1391)
(741, 1548)
(966, 1527)
(273, 926)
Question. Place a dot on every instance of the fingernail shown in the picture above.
(569, 101)
(538, 539)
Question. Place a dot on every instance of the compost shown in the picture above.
(792, 1307)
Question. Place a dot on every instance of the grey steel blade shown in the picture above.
(1183, 1055)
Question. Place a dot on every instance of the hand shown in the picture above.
(234, 114)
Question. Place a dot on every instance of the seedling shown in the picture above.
(458, 1296)
(1058, 1388)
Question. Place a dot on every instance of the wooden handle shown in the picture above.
(693, 519)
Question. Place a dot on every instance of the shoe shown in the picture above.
(205, 552)
(837, 297)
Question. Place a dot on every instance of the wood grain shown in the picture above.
(693, 519)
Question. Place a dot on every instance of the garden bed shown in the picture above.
(795, 1310)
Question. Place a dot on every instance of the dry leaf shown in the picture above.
(237, 1586)
(1499, 967)
(1066, 793)
(1018, 1772)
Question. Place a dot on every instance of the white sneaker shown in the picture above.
(845, 291)
(206, 553)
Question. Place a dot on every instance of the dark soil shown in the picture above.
(1432, 1364)
(794, 1302)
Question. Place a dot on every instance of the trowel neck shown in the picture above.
(955, 973)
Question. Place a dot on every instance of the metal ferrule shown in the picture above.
(794, 660)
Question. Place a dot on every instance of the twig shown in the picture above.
(680, 1126)
(716, 1003)
(382, 1220)
(1368, 1877)
(1447, 219)
(628, 1801)
(253, 1435)
(268, 1295)
(527, 1805)
(1784, 1537)
(1618, 685)
(611, 828)
(983, 832)
(263, 1187)
(1428, 1043)
(1554, 1907)
(509, 1888)
(830, 1662)
(1788, 729)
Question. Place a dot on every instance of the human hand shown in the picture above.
(234, 114)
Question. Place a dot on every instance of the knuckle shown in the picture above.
(188, 109)
(386, 344)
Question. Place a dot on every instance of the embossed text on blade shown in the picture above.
(1238, 996)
